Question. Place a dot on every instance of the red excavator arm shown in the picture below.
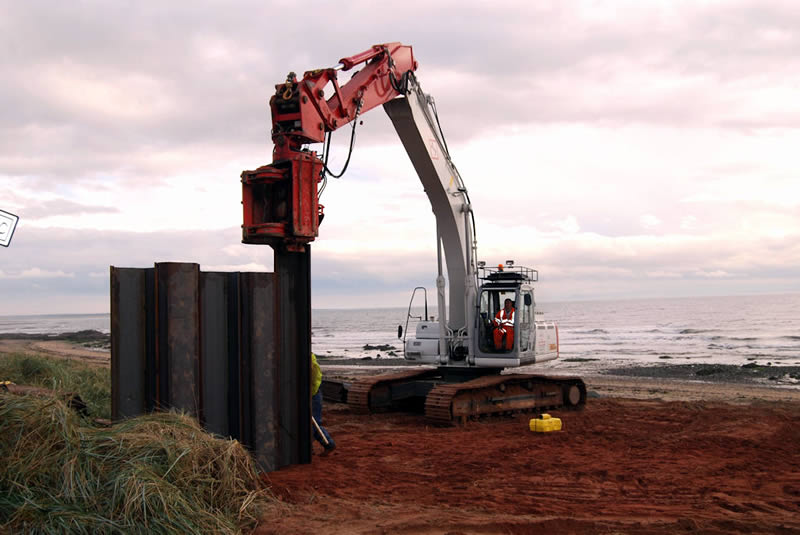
(280, 200)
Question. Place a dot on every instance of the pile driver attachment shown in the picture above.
(280, 200)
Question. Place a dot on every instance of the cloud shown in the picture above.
(36, 273)
(568, 225)
(661, 274)
(624, 149)
(62, 207)
(649, 221)
(251, 266)
(688, 222)
(571, 265)
(713, 274)
(130, 94)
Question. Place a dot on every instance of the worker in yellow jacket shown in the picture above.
(316, 406)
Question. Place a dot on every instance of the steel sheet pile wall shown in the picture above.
(207, 343)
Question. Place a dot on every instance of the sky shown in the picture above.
(625, 149)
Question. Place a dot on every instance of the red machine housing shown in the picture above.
(280, 201)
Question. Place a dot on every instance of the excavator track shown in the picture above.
(448, 403)
(451, 403)
(363, 395)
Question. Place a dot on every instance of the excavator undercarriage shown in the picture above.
(449, 398)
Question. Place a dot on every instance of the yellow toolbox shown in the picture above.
(545, 423)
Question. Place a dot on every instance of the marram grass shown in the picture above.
(159, 473)
(91, 383)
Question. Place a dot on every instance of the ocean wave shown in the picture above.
(694, 331)
(733, 339)
(593, 331)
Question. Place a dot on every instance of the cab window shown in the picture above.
(526, 321)
(491, 302)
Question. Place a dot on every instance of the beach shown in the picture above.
(652, 452)
(622, 465)
(63, 349)
(648, 454)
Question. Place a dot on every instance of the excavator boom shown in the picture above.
(416, 125)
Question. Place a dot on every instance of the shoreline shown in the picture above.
(668, 382)
(88, 335)
(751, 373)
(89, 349)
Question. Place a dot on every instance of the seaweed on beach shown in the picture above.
(722, 373)
(159, 473)
(88, 335)
(379, 347)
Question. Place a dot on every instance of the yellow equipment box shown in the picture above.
(545, 423)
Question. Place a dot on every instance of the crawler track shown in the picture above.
(451, 403)
(362, 394)
(447, 403)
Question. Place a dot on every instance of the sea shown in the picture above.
(593, 334)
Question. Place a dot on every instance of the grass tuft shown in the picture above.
(159, 473)
(91, 383)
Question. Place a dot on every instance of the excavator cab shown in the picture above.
(512, 337)
(503, 334)
(496, 334)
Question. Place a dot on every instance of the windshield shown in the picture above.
(497, 322)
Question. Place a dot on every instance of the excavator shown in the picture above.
(487, 321)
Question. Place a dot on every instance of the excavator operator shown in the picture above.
(504, 327)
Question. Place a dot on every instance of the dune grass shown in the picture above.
(159, 473)
(91, 383)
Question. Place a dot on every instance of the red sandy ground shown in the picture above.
(619, 466)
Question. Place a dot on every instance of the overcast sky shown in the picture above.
(624, 149)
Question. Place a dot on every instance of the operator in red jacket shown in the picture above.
(504, 326)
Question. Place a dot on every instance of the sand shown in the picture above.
(651, 455)
(56, 348)
(621, 465)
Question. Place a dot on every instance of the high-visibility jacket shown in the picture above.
(503, 320)
(316, 375)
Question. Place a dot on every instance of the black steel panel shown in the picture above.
(293, 276)
(214, 349)
(234, 332)
(230, 348)
(258, 314)
(160, 329)
(151, 364)
(245, 361)
(177, 291)
(128, 347)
